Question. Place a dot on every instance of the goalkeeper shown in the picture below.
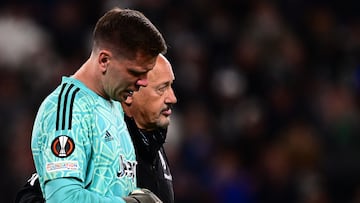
(81, 147)
(147, 117)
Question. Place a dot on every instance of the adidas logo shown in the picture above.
(108, 137)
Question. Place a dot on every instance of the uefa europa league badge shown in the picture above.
(62, 146)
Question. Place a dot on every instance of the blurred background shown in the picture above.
(268, 92)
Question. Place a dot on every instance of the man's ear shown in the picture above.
(104, 60)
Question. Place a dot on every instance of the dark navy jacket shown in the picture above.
(152, 170)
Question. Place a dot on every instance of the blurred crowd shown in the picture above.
(268, 92)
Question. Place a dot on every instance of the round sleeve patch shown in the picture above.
(62, 146)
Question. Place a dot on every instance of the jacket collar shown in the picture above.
(146, 143)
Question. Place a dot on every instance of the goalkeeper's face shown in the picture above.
(151, 106)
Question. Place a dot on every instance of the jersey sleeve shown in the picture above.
(68, 146)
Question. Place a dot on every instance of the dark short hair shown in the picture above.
(127, 32)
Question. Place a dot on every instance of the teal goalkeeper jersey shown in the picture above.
(78, 134)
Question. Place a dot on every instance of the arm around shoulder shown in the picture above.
(69, 190)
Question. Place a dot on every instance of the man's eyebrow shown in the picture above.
(167, 84)
(137, 72)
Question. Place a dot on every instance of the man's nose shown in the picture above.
(142, 81)
(171, 98)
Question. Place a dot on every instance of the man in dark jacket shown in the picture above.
(147, 117)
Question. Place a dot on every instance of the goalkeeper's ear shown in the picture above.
(142, 196)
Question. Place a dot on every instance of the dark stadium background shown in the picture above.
(268, 92)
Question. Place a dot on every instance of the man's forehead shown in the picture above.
(161, 72)
(143, 59)
(141, 65)
(162, 66)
